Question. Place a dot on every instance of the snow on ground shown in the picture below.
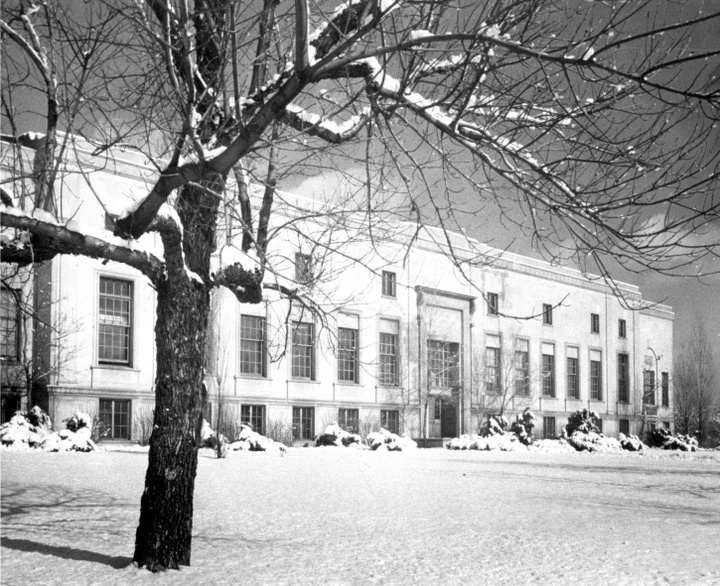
(323, 516)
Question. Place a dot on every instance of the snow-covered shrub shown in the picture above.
(79, 420)
(26, 429)
(388, 441)
(592, 441)
(334, 435)
(582, 420)
(662, 438)
(523, 425)
(631, 443)
(251, 441)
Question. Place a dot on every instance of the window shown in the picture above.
(594, 323)
(492, 364)
(648, 387)
(443, 363)
(596, 393)
(599, 424)
(115, 321)
(389, 352)
(624, 426)
(255, 416)
(549, 427)
(389, 284)
(303, 423)
(622, 328)
(253, 351)
(349, 420)
(548, 370)
(304, 270)
(547, 314)
(573, 375)
(303, 350)
(348, 355)
(115, 417)
(665, 389)
(10, 402)
(493, 303)
(390, 420)
(9, 324)
(623, 378)
(522, 367)
(666, 425)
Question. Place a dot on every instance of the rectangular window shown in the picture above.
(390, 420)
(665, 389)
(389, 351)
(303, 423)
(493, 304)
(573, 374)
(648, 387)
(349, 420)
(622, 328)
(115, 416)
(666, 425)
(596, 393)
(522, 367)
(595, 323)
(253, 350)
(304, 270)
(623, 378)
(115, 321)
(348, 358)
(443, 363)
(303, 350)
(9, 324)
(624, 426)
(548, 370)
(599, 424)
(492, 365)
(255, 416)
(389, 284)
(547, 314)
(549, 427)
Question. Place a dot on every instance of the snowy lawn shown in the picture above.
(332, 516)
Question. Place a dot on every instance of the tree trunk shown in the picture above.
(163, 536)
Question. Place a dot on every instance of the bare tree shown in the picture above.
(503, 379)
(589, 125)
(697, 384)
(37, 336)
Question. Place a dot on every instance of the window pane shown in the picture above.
(347, 355)
(303, 348)
(548, 374)
(573, 389)
(389, 284)
(390, 420)
(303, 423)
(444, 363)
(255, 416)
(115, 321)
(388, 359)
(252, 345)
(9, 324)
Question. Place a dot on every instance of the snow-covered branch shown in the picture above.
(328, 130)
(48, 238)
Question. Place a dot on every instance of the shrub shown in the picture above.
(523, 425)
(582, 420)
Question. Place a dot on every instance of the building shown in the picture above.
(396, 335)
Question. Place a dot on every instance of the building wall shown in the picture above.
(435, 298)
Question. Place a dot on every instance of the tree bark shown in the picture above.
(163, 537)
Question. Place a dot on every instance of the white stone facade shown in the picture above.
(410, 339)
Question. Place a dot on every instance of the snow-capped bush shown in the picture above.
(505, 442)
(523, 425)
(79, 420)
(631, 443)
(582, 420)
(33, 429)
(334, 435)
(662, 438)
(388, 441)
(26, 429)
(251, 441)
(592, 441)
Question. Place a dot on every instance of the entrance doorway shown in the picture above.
(448, 417)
